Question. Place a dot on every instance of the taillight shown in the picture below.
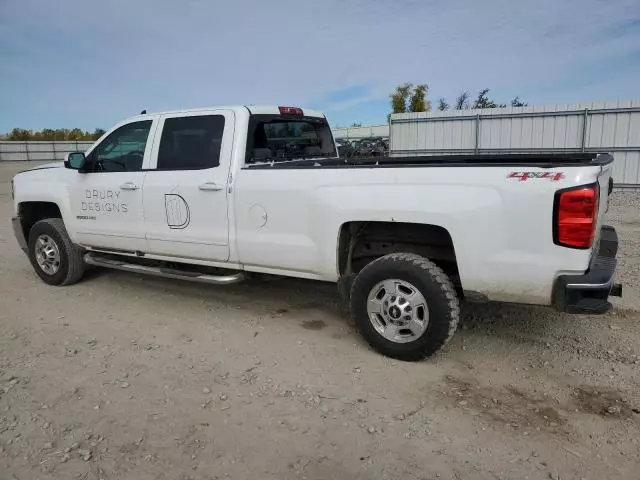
(576, 216)
(290, 111)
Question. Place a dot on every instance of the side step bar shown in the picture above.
(117, 264)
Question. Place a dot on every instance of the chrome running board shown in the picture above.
(117, 264)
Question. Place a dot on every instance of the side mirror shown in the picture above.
(74, 160)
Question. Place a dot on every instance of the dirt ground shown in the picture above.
(130, 377)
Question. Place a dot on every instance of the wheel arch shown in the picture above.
(361, 242)
(31, 212)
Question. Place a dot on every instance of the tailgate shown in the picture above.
(605, 181)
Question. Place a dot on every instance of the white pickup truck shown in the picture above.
(215, 195)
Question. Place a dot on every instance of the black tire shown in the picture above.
(71, 267)
(434, 285)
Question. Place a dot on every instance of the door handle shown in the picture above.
(129, 186)
(211, 186)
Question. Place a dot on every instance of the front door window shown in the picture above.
(122, 150)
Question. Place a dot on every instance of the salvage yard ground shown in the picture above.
(130, 377)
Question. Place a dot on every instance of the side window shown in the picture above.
(191, 143)
(122, 150)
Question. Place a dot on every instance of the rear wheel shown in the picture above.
(54, 257)
(404, 306)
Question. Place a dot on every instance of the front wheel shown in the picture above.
(54, 257)
(404, 306)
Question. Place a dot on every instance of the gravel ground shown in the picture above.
(130, 377)
(624, 214)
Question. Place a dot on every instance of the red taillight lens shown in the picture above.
(576, 216)
(290, 111)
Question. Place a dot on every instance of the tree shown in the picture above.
(97, 133)
(62, 133)
(20, 134)
(442, 104)
(50, 134)
(516, 102)
(406, 98)
(356, 124)
(75, 134)
(399, 98)
(483, 100)
(418, 102)
(462, 101)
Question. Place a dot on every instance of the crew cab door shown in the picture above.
(185, 193)
(106, 198)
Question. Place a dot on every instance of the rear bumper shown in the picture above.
(16, 222)
(589, 292)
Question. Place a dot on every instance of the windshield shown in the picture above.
(277, 138)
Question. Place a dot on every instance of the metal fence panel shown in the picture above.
(362, 132)
(11, 151)
(612, 127)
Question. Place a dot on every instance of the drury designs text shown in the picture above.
(106, 201)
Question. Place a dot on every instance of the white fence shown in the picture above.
(40, 151)
(362, 132)
(612, 127)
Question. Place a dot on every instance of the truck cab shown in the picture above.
(161, 183)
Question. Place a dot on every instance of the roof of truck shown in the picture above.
(274, 110)
(254, 109)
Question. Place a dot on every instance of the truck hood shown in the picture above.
(46, 165)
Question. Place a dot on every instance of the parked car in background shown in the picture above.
(345, 147)
(371, 147)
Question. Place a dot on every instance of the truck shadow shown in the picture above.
(264, 295)
(314, 305)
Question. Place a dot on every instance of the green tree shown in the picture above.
(20, 134)
(356, 124)
(442, 104)
(48, 134)
(516, 102)
(462, 101)
(62, 133)
(418, 101)
(483, 100)
(406, 98)
(75, 134)
(400, 97)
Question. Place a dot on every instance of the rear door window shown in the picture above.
(191, 143)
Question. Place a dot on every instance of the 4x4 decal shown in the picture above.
(524, 176)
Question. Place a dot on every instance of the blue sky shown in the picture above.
(90, 63)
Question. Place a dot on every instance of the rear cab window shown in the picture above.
(276, 138)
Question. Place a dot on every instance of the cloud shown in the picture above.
(347, 94)
(88, 64)
(350, 99)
